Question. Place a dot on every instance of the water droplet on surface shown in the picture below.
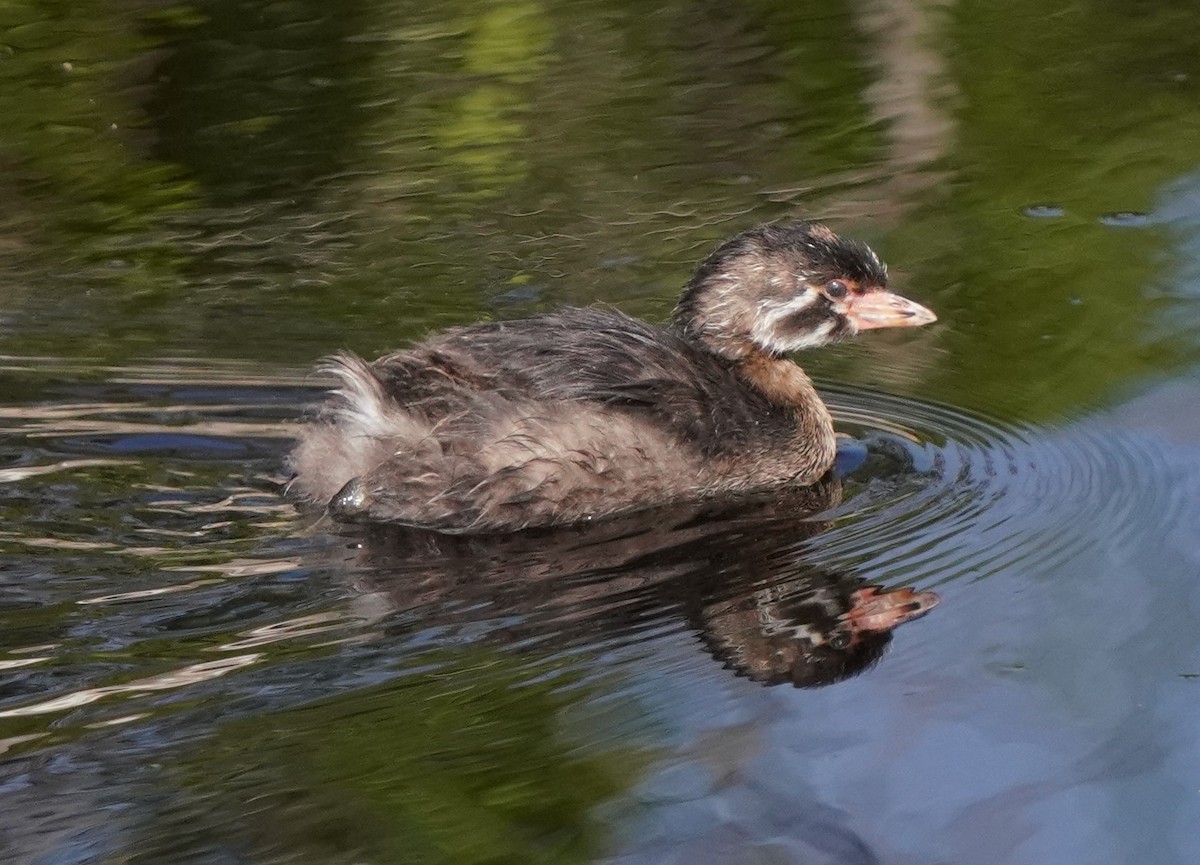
(1044, 211)
(1125, 219)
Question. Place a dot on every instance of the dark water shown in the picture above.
(201, 200)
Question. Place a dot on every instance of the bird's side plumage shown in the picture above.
(538, 421)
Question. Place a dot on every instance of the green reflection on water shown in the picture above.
(356, 175)
(1086, 111)
(74, 142)
(470, 762)
(481, 134)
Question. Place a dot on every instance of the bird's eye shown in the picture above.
(836, 289)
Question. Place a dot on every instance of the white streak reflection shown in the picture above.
(301, 627)
(190, 675)
(142, 594)
(55, 543)
(13, 741)
(123, 719)
(17, 663)
(8, 476)
(242, 567)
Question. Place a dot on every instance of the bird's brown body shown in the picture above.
(585, 413)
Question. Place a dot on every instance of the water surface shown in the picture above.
(201, 200)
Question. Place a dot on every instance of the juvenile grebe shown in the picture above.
(585, 413)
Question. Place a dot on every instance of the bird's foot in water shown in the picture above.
(350, 503)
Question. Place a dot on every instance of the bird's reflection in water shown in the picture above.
(737, 572)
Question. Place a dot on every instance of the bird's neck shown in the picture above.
(786, 384)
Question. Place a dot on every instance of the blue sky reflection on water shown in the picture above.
(1050, 721)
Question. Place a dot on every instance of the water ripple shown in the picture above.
(944, 494)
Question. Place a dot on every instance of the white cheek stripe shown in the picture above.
(772, 312)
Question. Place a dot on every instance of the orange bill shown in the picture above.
(886, 309)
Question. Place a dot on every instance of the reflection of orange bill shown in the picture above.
(876, 609)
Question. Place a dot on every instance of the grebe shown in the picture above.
(585, 413)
